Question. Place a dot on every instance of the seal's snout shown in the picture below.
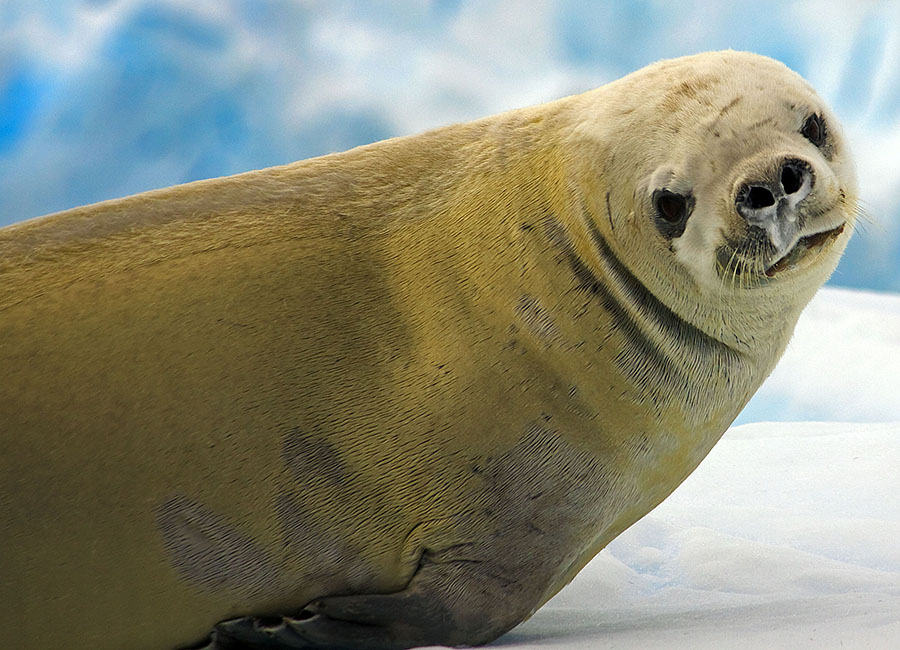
(771, 203)
(792, 182)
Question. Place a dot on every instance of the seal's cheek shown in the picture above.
(711, 223)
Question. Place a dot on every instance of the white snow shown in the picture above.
(842, 364)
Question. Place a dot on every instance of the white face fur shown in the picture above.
(740, 172)
(783, 176)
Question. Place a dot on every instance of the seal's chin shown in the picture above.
(803, 246)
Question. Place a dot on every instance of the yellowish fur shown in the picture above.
(334, 369)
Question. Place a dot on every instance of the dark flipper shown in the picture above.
(451, 603)
(249, 633)
(530, 527)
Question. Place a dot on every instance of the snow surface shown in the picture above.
(842, 364)
(786, 536)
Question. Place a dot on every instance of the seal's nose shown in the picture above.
(769, 198)
(771, 203)
(794, 174)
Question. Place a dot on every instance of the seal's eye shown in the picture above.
(672, 211)
(814, 129)
(672, 207)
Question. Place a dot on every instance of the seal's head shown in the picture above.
(742, 185)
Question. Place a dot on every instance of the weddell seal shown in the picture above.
(400, 395)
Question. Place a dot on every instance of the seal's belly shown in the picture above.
(185, 444)
(175, 459)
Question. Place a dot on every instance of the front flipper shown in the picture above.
(453, 603)
(477, 576)
(249, 633)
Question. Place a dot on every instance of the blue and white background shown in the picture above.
(787, 534)
(105, 98)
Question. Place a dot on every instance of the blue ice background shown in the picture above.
(101, 99)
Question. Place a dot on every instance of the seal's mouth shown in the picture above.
(802, 247)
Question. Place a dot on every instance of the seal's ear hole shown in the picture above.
(814, 129)
(671, 207)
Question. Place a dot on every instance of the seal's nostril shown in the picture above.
(791, 180)
(759, 197)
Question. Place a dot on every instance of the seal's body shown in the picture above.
(400, 395)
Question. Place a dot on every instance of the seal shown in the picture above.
(400, 395)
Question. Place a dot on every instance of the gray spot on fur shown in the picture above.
(576, 404)
(209, 552)
(556, 233)
(761, 123)
(312, 545)
(725, 109)
(544, 493)
(305, 536)
(537, 320)
(612, 226)
(312, 459)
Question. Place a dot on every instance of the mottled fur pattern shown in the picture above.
(398, 395)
